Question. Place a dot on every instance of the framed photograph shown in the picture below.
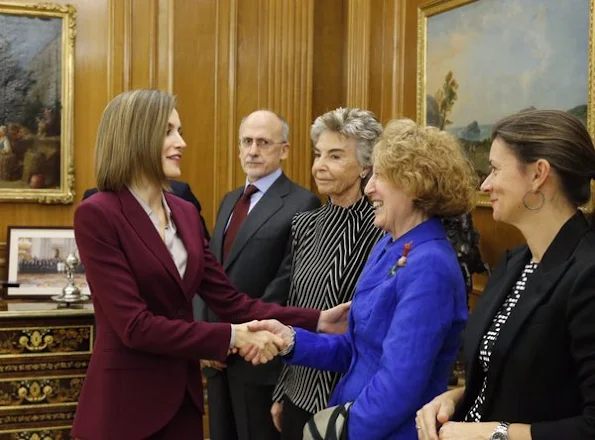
(36, 102)
(36, 261)
(480, 60)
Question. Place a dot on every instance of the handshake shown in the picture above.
(259, 342)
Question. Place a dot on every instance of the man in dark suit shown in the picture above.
(256, 257)
(180, 189)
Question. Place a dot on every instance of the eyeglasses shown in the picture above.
(261, 143)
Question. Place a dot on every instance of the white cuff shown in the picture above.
(232, 340)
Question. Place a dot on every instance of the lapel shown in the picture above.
(554, 264)
(222, 218)
(188, 235)
(142, 225)
(267, 206)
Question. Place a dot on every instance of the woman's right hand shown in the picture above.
(277, 415)
(267, 343)
(435, 413)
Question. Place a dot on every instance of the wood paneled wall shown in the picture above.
(230, 58)
(222, 58)
(226, 58)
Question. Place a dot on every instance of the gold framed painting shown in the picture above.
(36, 102)
(480, 60)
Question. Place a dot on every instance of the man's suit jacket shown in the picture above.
(259, 261)
(147, 348)
(180, 189)
(542, 368)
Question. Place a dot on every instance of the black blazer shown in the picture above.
(542, 368)
(259, 261)
(180, 189)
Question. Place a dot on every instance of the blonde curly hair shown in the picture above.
(429, 165)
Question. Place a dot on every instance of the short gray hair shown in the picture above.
(356, 123)
(284, 124)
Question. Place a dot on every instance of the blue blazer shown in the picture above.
(404, 330)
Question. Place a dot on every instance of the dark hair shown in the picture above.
(558, 137)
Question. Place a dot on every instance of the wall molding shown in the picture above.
(358, 52)
(224, 129)
(285, 82)
(119, 50)
(164, 45)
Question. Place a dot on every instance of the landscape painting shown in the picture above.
(36, 61)
(481, 60)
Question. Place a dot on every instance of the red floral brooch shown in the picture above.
(402, 259)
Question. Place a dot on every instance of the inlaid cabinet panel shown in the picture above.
(44, 353)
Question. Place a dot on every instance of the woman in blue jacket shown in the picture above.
(410, 304)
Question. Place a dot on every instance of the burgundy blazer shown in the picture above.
(148, 345)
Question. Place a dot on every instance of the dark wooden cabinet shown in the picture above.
(44, 353)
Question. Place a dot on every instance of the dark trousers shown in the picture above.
(238, 410)
(185, 425)
(294, 420)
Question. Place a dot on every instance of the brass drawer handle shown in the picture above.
(35, 393)
(36, 341)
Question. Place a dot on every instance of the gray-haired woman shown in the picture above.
(330, 247)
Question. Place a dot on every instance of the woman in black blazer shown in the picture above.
(530, 342)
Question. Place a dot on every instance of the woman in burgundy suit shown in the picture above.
(145, 258)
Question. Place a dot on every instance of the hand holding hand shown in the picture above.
(273, 326)
(250, 354)
(433, 415)
(266, 343)
(334, 320)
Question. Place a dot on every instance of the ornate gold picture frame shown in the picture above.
(480, 60)
(36, 102)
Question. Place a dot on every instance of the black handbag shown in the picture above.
(328, 424)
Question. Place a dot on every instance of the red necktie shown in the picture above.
(240, 212)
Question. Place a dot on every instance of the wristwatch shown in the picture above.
(291, 344)
(501, 432)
